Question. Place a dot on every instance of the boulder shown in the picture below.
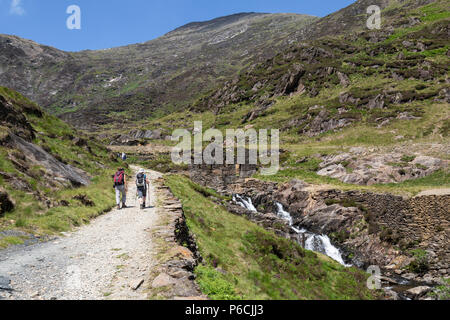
(6, 204)
(428, 162)
(418, 292)
(80, 142)
(391, 294)
(55, 168)
(163, 280)
(181, 252)
(15, 121)
(136, 283)
(84, 199)
(343, 78)
(292, 79)
(16, 183)
(156, 135)
(377, 102)
(323, 123)
(139, 134)
(5, 284)
(407, 44)
(333, 171)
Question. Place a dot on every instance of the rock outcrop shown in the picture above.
(13, 118)
(54, 169)
(365, 168)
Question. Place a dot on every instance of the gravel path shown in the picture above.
(102, 260)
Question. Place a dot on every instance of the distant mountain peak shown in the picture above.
(219, 20)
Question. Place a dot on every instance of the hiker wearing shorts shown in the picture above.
(120, 185)
(142, 185)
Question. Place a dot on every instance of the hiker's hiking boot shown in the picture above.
(118, 207)
(124, 206)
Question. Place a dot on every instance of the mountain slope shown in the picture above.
(363, 115)
(51, 176)
(384, 90)
(96, 87)
(354, 17)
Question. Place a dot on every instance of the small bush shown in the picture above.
(420, 264)
(214, 284)
(389, 235)
(408, 158)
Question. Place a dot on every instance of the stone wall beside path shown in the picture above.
(173, 277)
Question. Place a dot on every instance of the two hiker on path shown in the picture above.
(121, 188)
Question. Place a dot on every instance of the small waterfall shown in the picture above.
(322, 244)
(312, 241)
(247, 204)
(283, 214)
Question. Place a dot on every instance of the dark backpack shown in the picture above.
(140, 180)
(119, 178)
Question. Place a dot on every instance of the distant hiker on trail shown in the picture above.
(142, 185)
(120, 185)
(124, 156)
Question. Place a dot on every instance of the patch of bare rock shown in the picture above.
(363, 167)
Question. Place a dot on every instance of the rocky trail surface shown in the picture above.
(110, 258)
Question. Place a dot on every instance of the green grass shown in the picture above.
(436, 52)
(31, 216)
(8, 241)
(161, 162)
(244, 261)
(402, 33)
(435, 11)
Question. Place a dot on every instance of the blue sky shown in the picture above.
(111, 23)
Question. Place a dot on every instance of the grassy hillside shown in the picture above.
(244, 261)
(43, 202)
(385, 90)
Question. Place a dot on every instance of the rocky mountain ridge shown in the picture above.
(92, 88)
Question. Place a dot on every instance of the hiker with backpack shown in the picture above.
(142, 185)
(120, 185)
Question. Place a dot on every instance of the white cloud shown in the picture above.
(17, 8)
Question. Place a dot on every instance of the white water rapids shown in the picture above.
(246, 203)
(312, 241)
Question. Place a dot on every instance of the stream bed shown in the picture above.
(322, 244)
(307, 239)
